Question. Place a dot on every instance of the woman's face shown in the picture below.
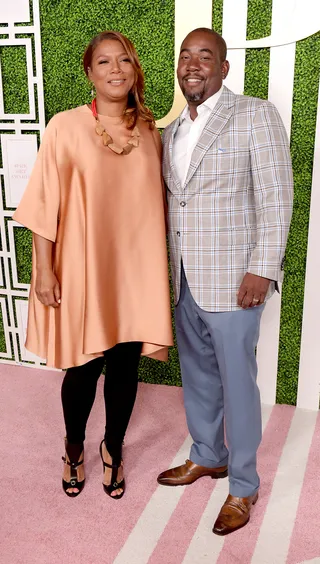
(111, 71)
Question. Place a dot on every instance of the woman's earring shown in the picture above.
(93, 93)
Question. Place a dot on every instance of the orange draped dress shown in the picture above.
(105, 214)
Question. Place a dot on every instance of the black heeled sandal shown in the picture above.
(114, 484)
(73, 476)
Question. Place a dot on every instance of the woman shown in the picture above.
(99, 291)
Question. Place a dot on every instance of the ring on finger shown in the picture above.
(255, 300)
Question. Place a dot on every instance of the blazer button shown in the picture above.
(178, 233)
(182, 204)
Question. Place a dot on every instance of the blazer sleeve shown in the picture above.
(40, 203)
(158, 142)
(273, 191)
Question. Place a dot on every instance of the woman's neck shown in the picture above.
(111, 109)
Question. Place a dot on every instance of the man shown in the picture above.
(228, 173)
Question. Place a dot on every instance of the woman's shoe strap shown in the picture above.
(72, 464)
(105, 464)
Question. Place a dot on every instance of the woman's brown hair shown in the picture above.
(136, 107)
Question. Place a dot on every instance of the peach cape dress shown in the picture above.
(105, 213)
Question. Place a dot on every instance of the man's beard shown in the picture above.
(196, 97)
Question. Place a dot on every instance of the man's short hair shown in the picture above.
(222, 46)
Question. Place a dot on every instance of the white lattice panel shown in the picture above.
(18, 149)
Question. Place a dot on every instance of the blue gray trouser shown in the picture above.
(219, 370)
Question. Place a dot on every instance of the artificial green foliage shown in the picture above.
(257, 60)
(259, 18)
(66, 28)
(14, 73)
(23, 244)
(304, 115)
(2, 336)
(257, 76)
(217, 14)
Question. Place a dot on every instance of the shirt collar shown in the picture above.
(210, 104)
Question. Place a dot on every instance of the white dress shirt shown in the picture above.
(188, 135)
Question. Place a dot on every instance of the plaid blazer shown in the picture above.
(233, 213)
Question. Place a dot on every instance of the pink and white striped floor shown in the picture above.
(39, 524)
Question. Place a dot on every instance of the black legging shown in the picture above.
(120, 388)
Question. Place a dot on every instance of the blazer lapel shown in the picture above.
(169, 157)
(215, 124)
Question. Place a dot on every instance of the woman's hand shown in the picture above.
(47, 288)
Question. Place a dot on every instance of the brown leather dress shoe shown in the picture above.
(234, 514)
(189, 473)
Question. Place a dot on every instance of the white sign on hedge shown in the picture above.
(16, 11)
(19, 153)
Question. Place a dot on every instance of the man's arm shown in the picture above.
(273, 193)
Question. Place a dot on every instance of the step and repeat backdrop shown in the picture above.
(274, 53)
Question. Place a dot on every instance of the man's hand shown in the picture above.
(47, 288)
(253, 290)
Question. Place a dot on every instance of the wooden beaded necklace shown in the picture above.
(107, 139)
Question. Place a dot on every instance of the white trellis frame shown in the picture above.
(18, 154)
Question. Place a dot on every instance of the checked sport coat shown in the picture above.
(233, 213)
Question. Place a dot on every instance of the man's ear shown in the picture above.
(225, 67)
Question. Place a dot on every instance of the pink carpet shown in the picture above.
(39, 524)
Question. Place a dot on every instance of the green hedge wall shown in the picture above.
(66, 28)
(304, 114)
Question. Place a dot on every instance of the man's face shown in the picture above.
(200, 69)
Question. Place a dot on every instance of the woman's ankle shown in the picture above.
(74, 450)
(114, 453)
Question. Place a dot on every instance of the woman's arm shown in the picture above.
(47, 286)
